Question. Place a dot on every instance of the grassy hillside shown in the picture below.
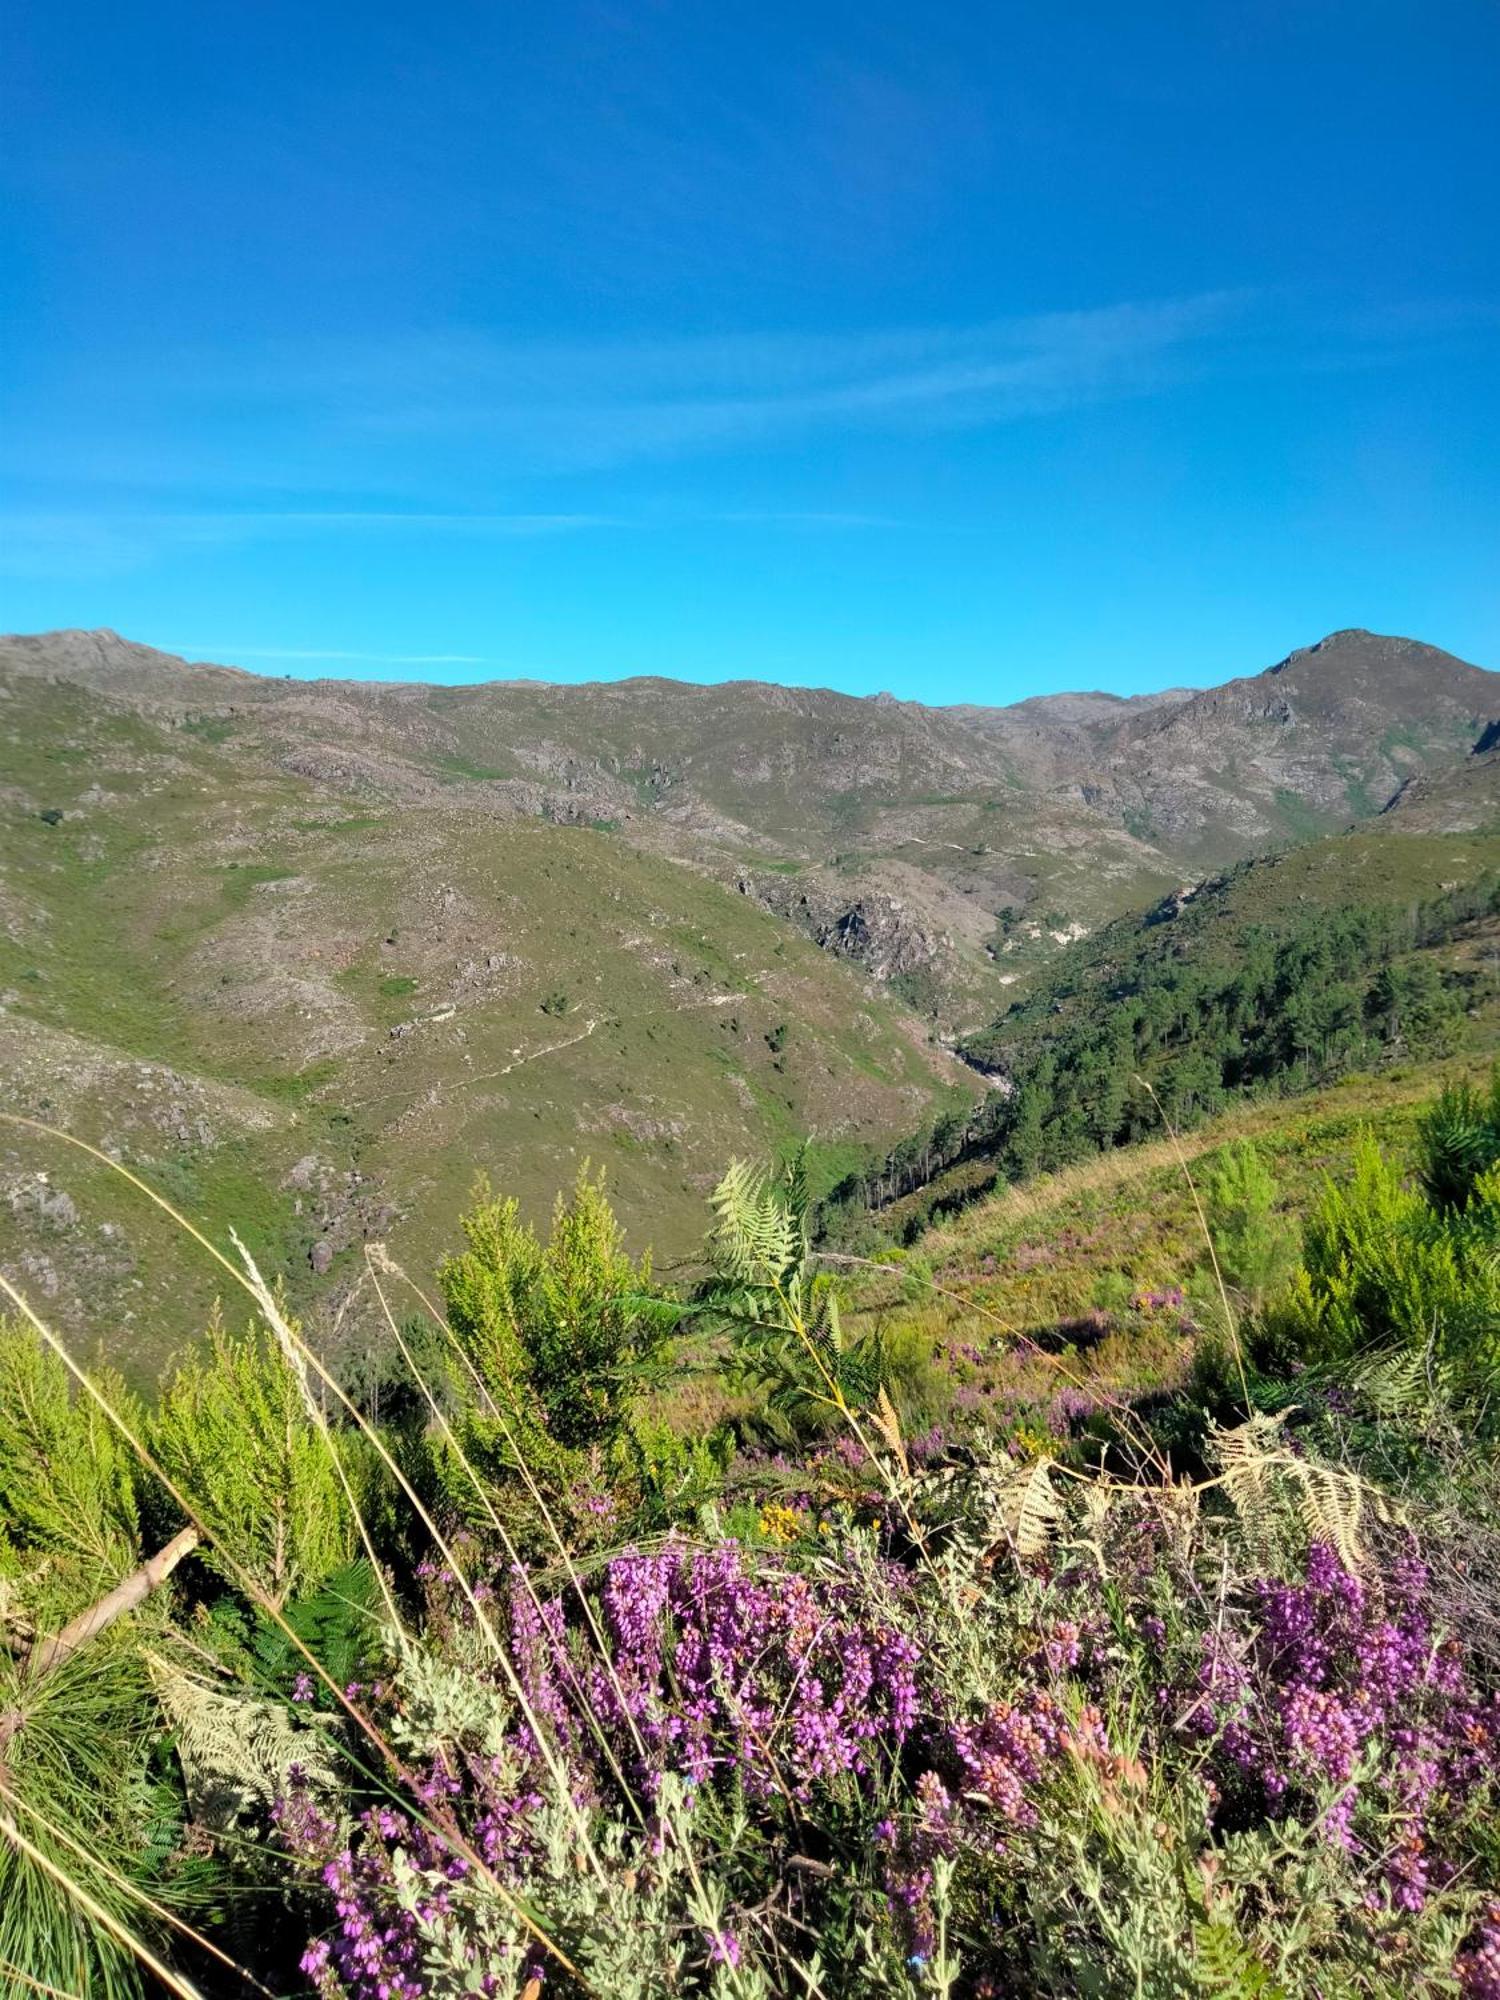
(945, 849)
(1362, 950)
(1071, 1289)
(320, 1022)
(315, 955)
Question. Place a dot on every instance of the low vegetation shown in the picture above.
(1094, 1597)
(1262, 984)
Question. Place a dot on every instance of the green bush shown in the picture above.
(236, 1433)
(678, 1475)
(921, 1391)
(1384, 1266)
(1459, 1139)
(1255, 1246)
(555, 1339)
(67, 1477)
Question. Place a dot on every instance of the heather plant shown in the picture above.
(737, 1707)
(1127, 1761)
(1029, 1714)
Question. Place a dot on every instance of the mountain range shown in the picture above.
(310, 954)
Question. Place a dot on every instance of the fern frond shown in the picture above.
(1265, 1479)
(758, 1240)
(237, 1755)
(1031, 1511)
(1397, 1382)
(1228, 1967)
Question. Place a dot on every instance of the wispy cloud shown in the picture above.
(572, 407)
(61, 543)
(428, 429)
(429, 417)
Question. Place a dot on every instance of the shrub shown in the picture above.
(554, 1340)
(67, 1477)
(1458, 1140)
(236, 1432)
(1255, 1246)
(1003, 1716)
(1383, 1267)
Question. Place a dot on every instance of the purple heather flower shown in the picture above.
(723, 1949)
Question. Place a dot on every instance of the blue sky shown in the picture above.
(966, 351)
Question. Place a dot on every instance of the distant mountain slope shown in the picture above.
(1364, 949)
(1327, 736)
(318, 1018)
(1463, 797)
(312, 953)
(907, 830)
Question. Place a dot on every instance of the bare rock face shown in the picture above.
(871, 928)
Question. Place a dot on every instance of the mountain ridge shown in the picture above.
(325, 949)
(101, 638)
(1066, 808)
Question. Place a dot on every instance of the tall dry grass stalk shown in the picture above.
(260, 1293)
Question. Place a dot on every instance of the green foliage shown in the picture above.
(555, 1339)
(678, 1475)
(920, 1390)
(67, 1477)
(236, 1432)
(1255, 1246)
(1229, 995)
(339, 1624)
(1459, 1140)
(1411, 1007)
(1384, 1268)
(73, 1774)
(780, 1311)
(237, 1752)
(1229, 1968)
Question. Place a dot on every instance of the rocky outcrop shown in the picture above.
(872, 928)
